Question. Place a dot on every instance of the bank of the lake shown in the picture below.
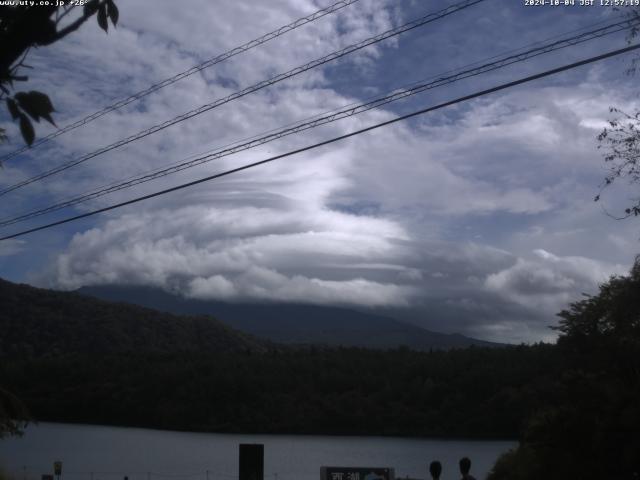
(472, 393)
(91, 452)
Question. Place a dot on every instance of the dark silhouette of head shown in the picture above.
(465, 465)
(435, 469)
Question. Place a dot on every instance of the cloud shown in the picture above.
(239, 252)
(258, 283)
(550, 282)
(11, 247)
(433, 219)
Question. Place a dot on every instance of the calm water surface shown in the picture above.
(109, 453)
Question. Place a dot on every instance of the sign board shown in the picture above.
(356, 473)
(57, 468)
(251, 461)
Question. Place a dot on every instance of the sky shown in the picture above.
(476, 218)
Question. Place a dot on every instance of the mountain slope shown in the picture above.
(37, 322)
(294, 324)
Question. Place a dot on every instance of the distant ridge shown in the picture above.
(37, 322)
(294, 323)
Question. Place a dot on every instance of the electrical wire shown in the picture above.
(417, 82)
(330, 141)
(265, 83)
(195, 69)
(348, 111)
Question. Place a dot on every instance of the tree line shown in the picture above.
(574, 405)
(477, 392)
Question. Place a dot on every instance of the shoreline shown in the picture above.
(278, 434)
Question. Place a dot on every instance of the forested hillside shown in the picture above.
(589, 426)
(464, 393)
(37, 322)
(575, 406)
(79, 359)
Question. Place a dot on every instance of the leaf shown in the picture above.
(49, 119)
(36, 104)
(26, 128)
(90, 7)
(13, 108)
(102, 17)
(114, 13)
(24, 100)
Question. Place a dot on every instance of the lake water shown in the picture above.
(109, 453)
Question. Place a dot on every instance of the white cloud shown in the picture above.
(216, 286)
(392, 218)
(242, 252)
(258, 283)
(550, 282)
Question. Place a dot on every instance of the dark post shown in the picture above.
(251, 461)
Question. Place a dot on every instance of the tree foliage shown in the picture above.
(41, 323)
(475, 392)
(23, 27)
(13, 414)
(620, 140)
(76, 358)
(590, 428)
(575, 406)
(612, 316)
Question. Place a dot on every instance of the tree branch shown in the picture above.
(72, 27)
(64, 14)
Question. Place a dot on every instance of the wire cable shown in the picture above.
(366, 99)
(465, 98)
(265, 83)
(195, 69)
(417, 82)
(348, 111)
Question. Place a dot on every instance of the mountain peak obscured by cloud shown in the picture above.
(475, 219)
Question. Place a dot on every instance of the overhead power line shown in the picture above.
(345, 112)
(465, 98)
(195, 69)
(265, 83)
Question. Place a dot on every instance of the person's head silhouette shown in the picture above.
(435, 469)
(465, 466)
